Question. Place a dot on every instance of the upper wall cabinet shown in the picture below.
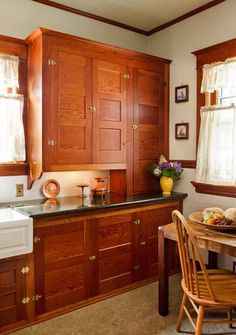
(86, 100)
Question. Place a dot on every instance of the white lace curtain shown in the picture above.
(12, 138)
(219, 75)
(216, 157)
(9, 66)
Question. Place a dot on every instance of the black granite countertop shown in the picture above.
(75, 204)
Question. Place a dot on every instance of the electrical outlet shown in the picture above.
(19, 190)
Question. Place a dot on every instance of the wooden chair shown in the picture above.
(205, 289)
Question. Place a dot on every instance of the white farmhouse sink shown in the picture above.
(16, 233)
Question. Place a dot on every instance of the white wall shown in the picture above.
(210, 27)
(18, 18)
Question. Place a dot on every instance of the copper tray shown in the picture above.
(51, 188)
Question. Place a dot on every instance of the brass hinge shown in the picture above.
(36, 239)
(51, 62)
(126, 76)
(25, 270)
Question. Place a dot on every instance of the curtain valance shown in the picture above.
(9, 68)
(219, 75)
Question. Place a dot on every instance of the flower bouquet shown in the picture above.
(168, 171)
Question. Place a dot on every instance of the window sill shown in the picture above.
(224, 191)
(13, 169)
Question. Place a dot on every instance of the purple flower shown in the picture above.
(165, 165)
(178, 168)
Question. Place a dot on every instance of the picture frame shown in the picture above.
(182, 131)
(181, 93)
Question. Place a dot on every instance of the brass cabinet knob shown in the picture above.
(92, 258)
(143, 243)
(25, 300)
(92, 109)
(36, 297)
(134, 126)
(25, 270)
(137, 221)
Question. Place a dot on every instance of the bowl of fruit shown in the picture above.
(216, 218)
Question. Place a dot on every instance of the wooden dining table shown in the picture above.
(215, 241)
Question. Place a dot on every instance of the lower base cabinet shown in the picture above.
(62, 263)
(83, 257)
(13, 298)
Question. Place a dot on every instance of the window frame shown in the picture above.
(17, 47)
(214, 53)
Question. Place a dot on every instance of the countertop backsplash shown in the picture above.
(67, 180)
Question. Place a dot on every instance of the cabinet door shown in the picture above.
(61, 265)
(115, 249)
(12, 290)
(151, 220)
(109, 119)
(67, 101)
(148, 129)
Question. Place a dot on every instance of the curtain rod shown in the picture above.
(216, 107)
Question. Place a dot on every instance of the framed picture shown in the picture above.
(181, 131)
(181, 93)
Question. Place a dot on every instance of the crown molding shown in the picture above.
(126, 26)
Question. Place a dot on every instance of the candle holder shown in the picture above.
(82, 186)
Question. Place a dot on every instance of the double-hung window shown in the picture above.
(12, 137)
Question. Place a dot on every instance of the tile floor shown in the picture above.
(131, 313)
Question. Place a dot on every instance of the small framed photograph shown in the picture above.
(181, 131)
(181, 93)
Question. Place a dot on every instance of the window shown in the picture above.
(226, 96)
(216, 157)
(216, 120)
(12, 138)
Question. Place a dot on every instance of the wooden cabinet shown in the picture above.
(62, 263)
(93, 107)
(81, 258)
(109, 117)
(115, 251)
(84, 256)
(67, 100)
(79, 102)
(148, 127)
(12, 290)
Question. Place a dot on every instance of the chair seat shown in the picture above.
(223, 283)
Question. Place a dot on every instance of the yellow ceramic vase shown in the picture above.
(166, 185)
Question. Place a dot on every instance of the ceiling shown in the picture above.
(144, 15)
